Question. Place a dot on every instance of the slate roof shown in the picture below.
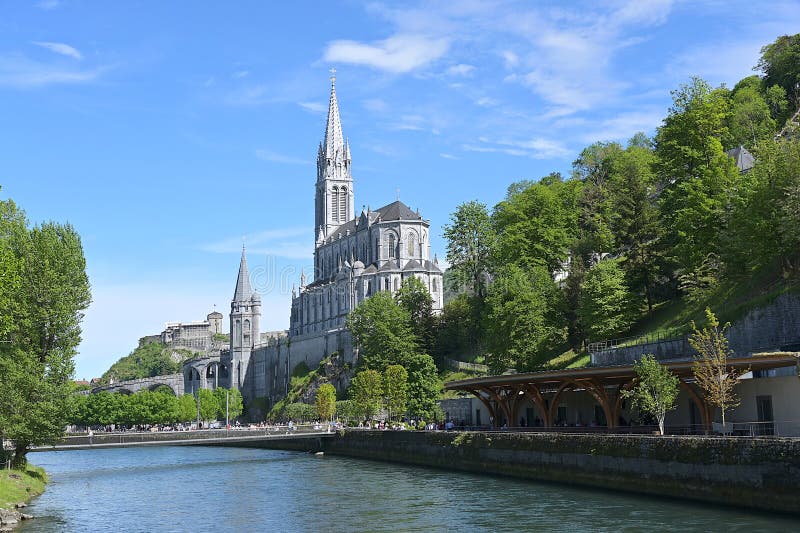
(744, 159)
(243, 290)
(397, 210)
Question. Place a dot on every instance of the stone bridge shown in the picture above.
(173, 381)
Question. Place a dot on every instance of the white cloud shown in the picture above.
(375, 104)
(624, 125)
(510, 59)
(462, 69)
(398, 54)
(269, 155)
(292, 243)
(536, 148)
(486, 101)
(48, 5)
(447, 156)
(314, 107)
(60, 48)
(239, 74)
(21, 72)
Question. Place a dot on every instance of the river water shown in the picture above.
(197, 489)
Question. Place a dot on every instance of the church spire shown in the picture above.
(243, 290)
(334, 140)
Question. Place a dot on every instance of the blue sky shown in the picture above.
(165, 132)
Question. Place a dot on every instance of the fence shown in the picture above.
(671, 334)
(470, 367)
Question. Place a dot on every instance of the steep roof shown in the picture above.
(243, 290)
(334, 140)
(744, 159)
(397, 210)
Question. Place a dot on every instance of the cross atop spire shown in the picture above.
(243, 290)
(333, 75)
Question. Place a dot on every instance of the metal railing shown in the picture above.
(672, 334)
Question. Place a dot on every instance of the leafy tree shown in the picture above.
(469, 243)
(234, 404)
(536, 226)
(460, 327)
(635, 216)
(147, 360)
(209, 406)
(711, 370)
(395, 389)
(424, 385)
(525, 319)
(187, 408)
(302, 412)
(346, 410)
(366, 391)
(607, 306)
(326, 401)
(595, 169)
(780, 63)
(656, 391)
(382, 330)
(415, 298)
(46, 294)
(751, 119)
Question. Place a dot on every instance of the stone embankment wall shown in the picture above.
(771, 327)
(747, 472)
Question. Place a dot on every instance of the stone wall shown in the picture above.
(747, 472)
(772, 327)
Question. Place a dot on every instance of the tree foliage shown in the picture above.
(607, 306)
(382, 331)
(43, 293)
(656, 390)
(469, 242)
(395, 389)
(366, 391)
(326, 401)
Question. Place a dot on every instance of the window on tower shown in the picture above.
(412, 244)
(344, 200)
(335, 203)
(392, 246)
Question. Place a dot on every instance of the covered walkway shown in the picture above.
(504, 395)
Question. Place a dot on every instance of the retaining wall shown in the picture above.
(760, 474)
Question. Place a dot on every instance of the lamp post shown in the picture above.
(227, 422)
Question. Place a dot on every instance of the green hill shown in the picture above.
(147, 360)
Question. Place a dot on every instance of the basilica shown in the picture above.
(355, 256)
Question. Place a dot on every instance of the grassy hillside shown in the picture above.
(147, 360)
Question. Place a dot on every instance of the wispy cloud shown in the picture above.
(462, 69)
(269, 155)
(537, 148)
(48, 5)
(292, 243)
(314, 107)
(21, 72)
(447, 156)
(60, 48)
(239, 74)
(398, 54)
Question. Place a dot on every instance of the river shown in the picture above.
(197, 489)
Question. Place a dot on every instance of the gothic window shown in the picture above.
(377, 249)
(335, 204)
(386, 284)
(247, 327)
(392, 246)
(344, 200)
(412, 243)
(237, 329)
(435, 286)
(396, 284)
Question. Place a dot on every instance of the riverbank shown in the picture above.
(755, 473)
(17, 488)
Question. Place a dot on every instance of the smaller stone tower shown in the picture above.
(245, 323)
(214, 322)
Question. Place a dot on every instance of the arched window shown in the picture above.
(247, 327)
(344, 200)
(377, 249)
(335, 204)
(237, 329)
(392, 246)
(386, 284)
(412, 244)
(435, 285)
(396, 284)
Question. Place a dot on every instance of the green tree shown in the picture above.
(607, 306)
(147, 360)
(414, 297)
(46, 294)
(751, 120)
(656, 390)
(366, 391)
(346, 410)
(635, 216)
(460, 328)
(230, 399)
(187, 408)
(209, 406)
(710, 369)
(326, 401)
(780, 63)
(382, 331)
(395, 389)
(301, 412)
(469, 242)
(537, 226)
(525, 320)
(424, 385)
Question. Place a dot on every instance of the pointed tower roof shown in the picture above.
(334, 140)
(243, 289)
